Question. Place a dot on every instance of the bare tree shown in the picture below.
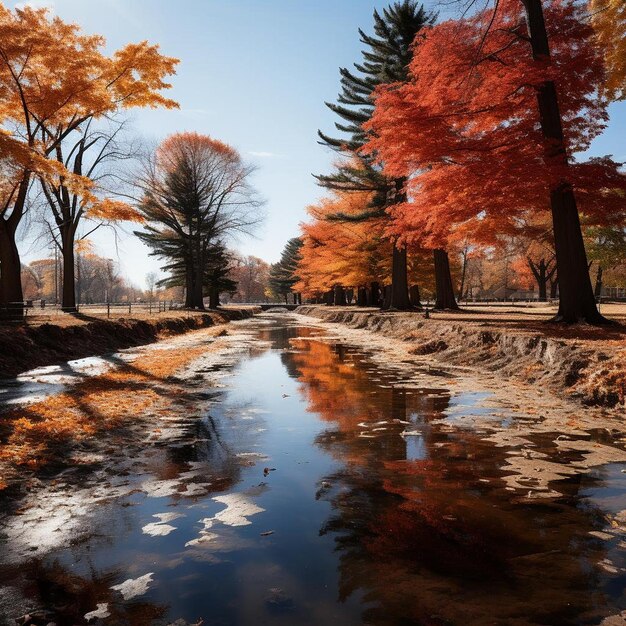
(89, 151)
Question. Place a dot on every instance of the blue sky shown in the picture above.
(254, 73)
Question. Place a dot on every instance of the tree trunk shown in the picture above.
(399, 295)
(554, 288)
(576, 298)
(189, 287)
(443, 282)
(386, 297)
(68, 287)
(361, 296)
(330, 297)
(542, 283)
(11, 294)
(414, 295)
(340, 296)
(463, 274)
(598, 288)
(540, 273)
(68, 280)
(374, 295)
(349, 296)
(198, 297)
(214, 297)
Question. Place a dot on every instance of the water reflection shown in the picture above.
(424, 528)
(316, 487)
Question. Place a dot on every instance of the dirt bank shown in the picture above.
(24, 347)
(588, 364)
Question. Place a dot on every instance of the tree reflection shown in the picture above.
(68, 596)
(434, 537)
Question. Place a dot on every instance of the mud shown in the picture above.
(587, 365)
(24, 347)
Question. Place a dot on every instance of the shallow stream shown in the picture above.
(312, 485)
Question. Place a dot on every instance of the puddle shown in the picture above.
(305, 483)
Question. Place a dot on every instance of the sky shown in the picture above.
(255, 74)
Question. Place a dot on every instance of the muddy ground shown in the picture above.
(32, 344)
(587, 364)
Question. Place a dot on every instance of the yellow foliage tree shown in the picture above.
(609, 22)
(53, 81)
(341, 252)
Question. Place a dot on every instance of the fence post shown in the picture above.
(130, 304)
(108, 310)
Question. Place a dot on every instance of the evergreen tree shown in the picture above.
(283, 275)
(386, 59)
(215, 275)
(217, 278)
(195, 194)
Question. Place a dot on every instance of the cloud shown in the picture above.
(263, 154)
(36, 4)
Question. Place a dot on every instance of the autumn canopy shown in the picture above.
(482, 138)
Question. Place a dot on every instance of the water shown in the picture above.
(321, 489)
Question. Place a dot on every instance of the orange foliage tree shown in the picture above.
(53, 81)
(466, 129)
(609, 23)
(342, 253)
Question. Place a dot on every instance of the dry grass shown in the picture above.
(520, 315)
(36, 317)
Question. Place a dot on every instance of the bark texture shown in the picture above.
(443, 282)
(576, 299)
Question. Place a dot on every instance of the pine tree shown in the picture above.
(215, 271)
(385, 60)
(283, 275)
(195, 195)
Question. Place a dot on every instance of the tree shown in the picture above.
(216, 275)
(467, 127)
(44, 271)
(284, 274)
(196, 193)
(385, 60)
(609, 23)
(53, 79)
(352, 254)
(69, 208)
(607, 249)
(576, 299)
(99, 279)
(444, 290)
(151, 281)
(252, 277)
